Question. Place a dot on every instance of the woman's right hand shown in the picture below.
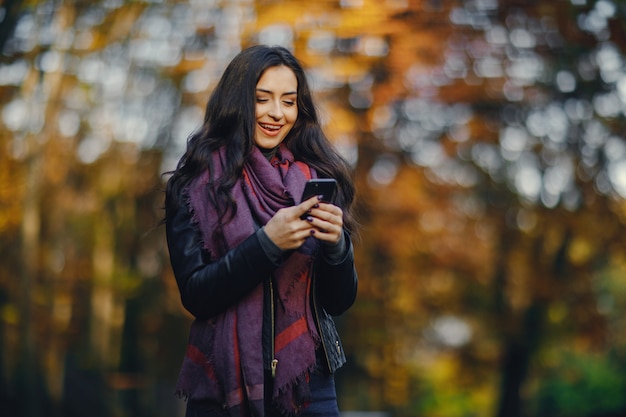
(287, 229)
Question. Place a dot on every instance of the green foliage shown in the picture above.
(450, 401)
(581, 384)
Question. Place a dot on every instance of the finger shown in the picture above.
(296, 239)
(320, 224)
(333, 230)
(326, 236)
(330, 208)
(333, 219)
(307, 205)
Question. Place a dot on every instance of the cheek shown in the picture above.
(293, 115)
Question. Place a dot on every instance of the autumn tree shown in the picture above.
(93, 94)
(487, 141)
(518, 130)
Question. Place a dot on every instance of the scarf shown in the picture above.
(224, 356)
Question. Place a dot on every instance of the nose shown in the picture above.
(276, 112)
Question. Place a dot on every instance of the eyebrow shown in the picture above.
(271, 92)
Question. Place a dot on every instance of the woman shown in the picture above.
(260, 270)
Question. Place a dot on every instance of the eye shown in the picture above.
(261, 100)
(290, 100)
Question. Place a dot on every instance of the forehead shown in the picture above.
(279, 78)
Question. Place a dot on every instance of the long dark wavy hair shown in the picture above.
(230, 122)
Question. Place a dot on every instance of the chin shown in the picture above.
(267, 144)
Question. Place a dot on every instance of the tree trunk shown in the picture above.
(517, 354)
(27, 369)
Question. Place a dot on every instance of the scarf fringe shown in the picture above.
(194, 217)
(298, 381)
(182, 394)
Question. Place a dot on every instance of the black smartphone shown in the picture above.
(326, 187)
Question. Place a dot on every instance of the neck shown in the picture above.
(268, 153)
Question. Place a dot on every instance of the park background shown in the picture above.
(487, 139)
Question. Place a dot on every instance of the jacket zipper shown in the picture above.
(274, 363)
(317, 321)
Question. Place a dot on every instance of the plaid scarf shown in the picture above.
(224, 357)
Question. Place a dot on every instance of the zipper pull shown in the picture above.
(274, 365)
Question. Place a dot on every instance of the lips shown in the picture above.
(270, 129)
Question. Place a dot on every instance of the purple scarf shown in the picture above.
(224, 357)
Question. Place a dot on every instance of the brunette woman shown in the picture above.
(260, 270)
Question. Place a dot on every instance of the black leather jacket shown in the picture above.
(209, 288)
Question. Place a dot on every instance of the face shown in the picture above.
(276, 106)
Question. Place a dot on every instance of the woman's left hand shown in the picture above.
(327, 219)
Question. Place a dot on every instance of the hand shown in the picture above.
(327, 219)
(287, 229)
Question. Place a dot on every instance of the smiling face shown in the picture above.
(276, 106)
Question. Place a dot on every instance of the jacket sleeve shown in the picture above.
(337, 282)
(209, 288)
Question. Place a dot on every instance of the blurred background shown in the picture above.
(487, 139)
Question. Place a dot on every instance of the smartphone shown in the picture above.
(326, 187)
